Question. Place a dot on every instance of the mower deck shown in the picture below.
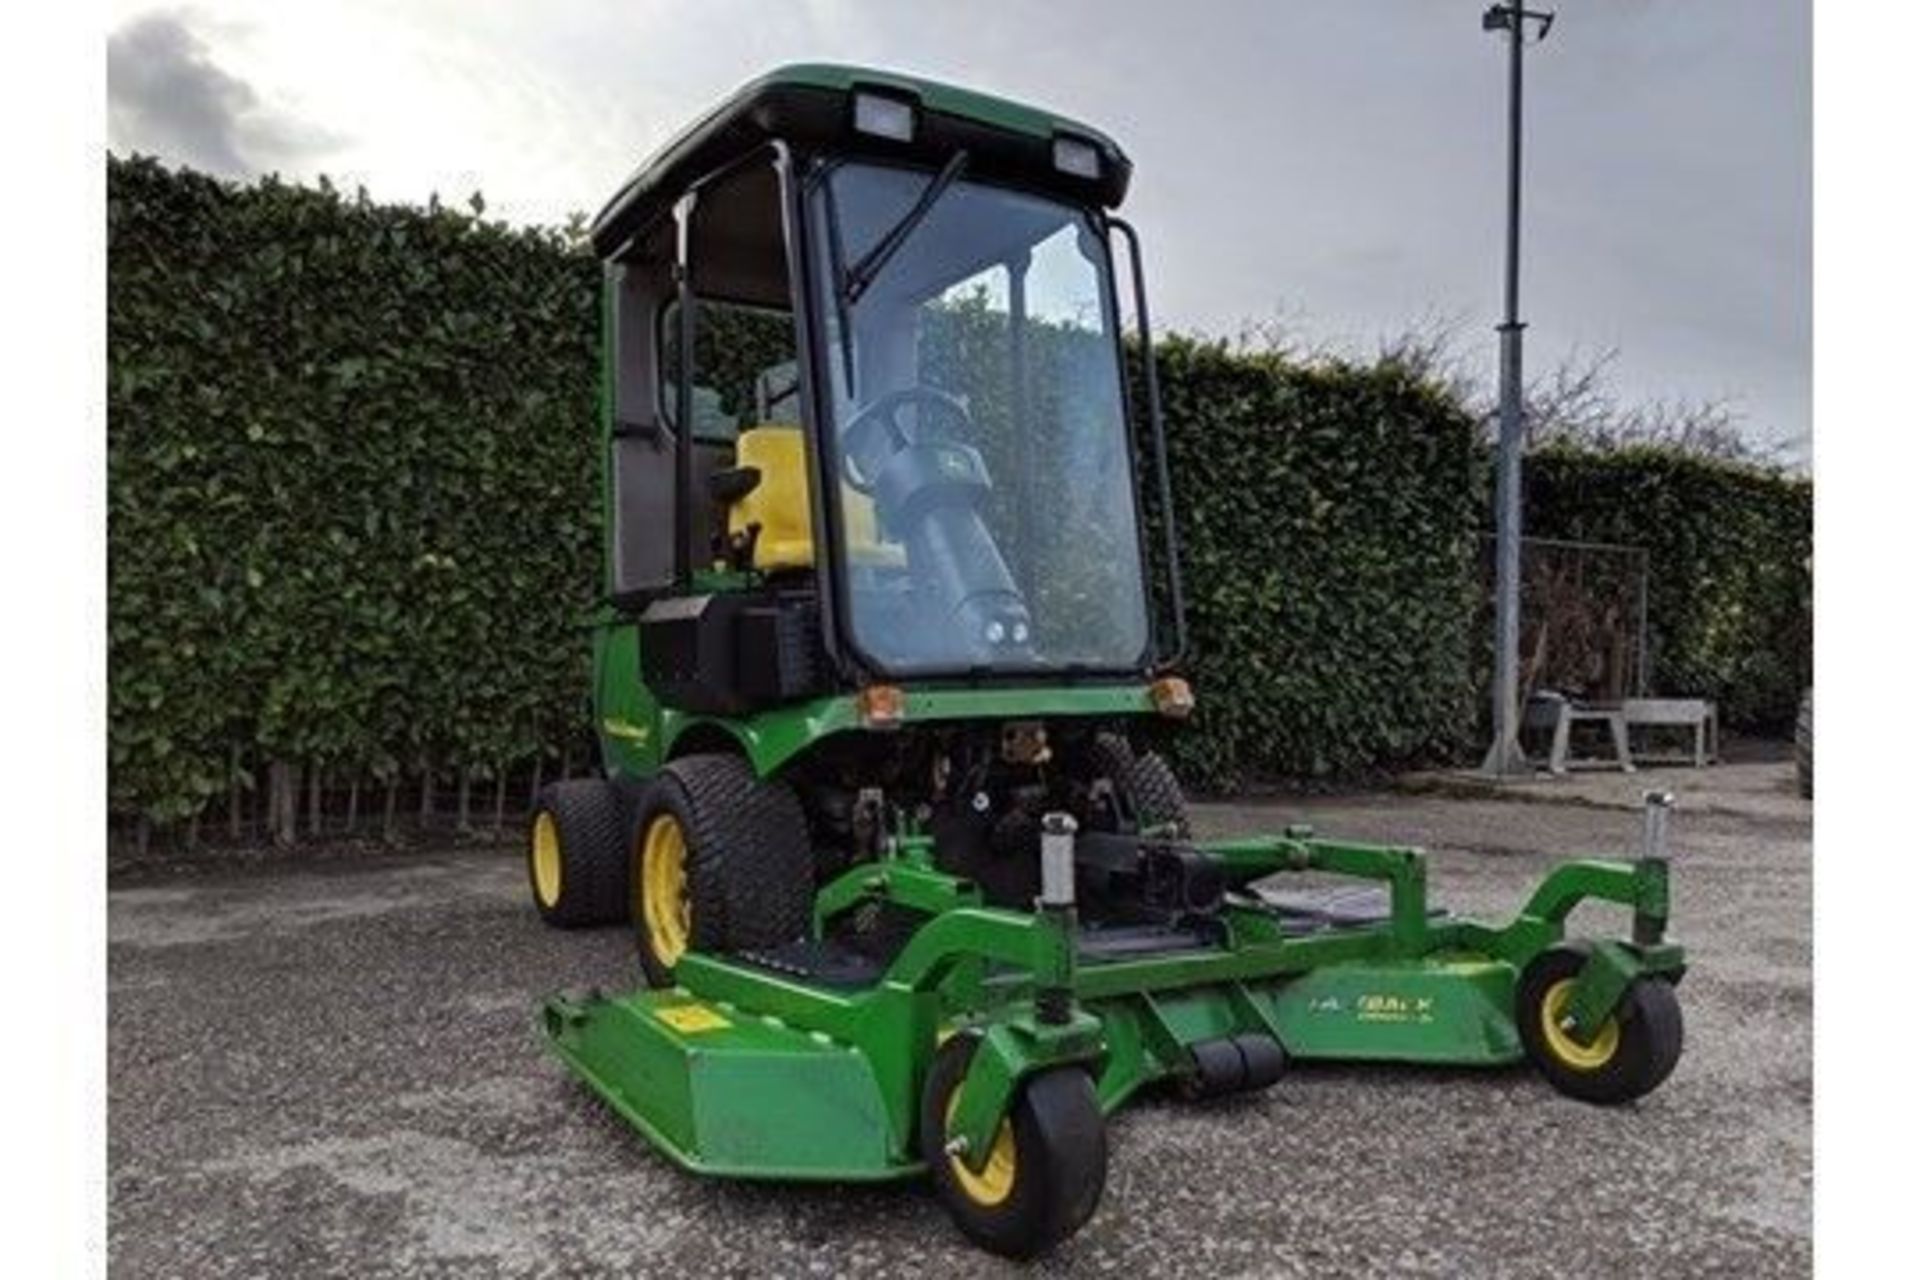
(804, 1062)
(722, 1092)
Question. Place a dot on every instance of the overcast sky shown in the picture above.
(1332, 166)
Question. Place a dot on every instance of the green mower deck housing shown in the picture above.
(884, 641)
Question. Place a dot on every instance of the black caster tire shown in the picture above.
(576, 854)
(1635, 1051)
(1048, 1166)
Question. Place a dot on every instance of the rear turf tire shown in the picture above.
(1145, 783)
(1048, 1166)
(576, 854)
(1634, 1052)
(745, 879)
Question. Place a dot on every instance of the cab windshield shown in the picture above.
(977, 427)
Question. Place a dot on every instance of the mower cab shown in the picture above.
(881, 615)
(886, 313)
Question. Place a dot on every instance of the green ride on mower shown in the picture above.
(892, 575)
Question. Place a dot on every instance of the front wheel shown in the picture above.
(1634, 1051)
(1145, 783)
(720, 862)
(1043, 1177)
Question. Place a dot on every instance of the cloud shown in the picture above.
(167, 97)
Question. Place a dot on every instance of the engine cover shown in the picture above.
(733, 652)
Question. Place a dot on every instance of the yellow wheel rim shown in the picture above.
(664, 910)
(1559, 1036)
(546, 860)
(994, 1182)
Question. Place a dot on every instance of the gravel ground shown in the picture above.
(332, 1070)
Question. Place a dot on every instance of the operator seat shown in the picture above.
(777, 503)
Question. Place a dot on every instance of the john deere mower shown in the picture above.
(893, 602)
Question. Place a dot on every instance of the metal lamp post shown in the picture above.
(1504, 756)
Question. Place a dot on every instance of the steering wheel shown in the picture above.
(874, 434)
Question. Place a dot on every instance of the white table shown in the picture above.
(1558, 714)
(1697, 714)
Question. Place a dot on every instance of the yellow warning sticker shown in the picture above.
(691, 1018)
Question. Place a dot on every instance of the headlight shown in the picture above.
(1077, 157)
(883, 117)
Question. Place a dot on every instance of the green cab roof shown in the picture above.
(809, 106)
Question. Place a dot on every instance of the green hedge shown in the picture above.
(1328, 519)
(1730, 546)
(351, 495)
(353, 516)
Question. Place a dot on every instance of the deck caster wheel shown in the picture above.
(720, 862)
(576, 859)
(1048, 1165)
(1635, 1050)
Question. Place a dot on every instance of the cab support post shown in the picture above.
(683, 445)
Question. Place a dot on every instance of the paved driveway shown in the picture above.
(332, 1070)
